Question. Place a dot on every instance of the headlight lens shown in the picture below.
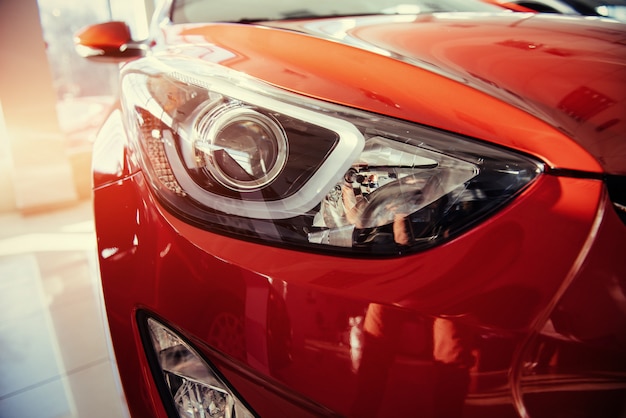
(242, 149)
(192, 385)
(236, 156)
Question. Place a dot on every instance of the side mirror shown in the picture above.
(110, 41)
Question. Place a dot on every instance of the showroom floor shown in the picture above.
(54, 359)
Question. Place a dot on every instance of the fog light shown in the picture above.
(197, 391)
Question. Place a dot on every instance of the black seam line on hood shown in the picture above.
(578, 174)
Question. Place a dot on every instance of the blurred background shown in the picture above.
(54, 355)
(52, 100)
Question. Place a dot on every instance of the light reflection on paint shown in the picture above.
(109, 252)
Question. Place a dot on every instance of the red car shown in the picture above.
(364, 209)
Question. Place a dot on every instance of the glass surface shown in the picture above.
(247, 10)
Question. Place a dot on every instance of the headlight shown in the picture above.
(237, 156)
(187, 381)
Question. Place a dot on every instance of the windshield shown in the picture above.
(197, 11)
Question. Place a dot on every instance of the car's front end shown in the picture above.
(383, 215)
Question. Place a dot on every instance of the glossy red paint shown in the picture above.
(582, 338)
(552, 82)
(497, 306)
(469, 328)
(494, 303)
(288, 60)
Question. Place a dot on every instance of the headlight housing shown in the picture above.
(237, 156)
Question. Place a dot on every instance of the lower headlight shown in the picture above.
(192, 386)
(231, 154)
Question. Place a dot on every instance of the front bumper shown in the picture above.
(453, 331)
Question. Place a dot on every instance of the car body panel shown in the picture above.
(496, 312)
(555, 84)
(582, 346)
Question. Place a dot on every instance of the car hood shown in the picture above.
(567, 72)
(570, 73)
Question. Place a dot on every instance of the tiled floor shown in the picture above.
(54, 358)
